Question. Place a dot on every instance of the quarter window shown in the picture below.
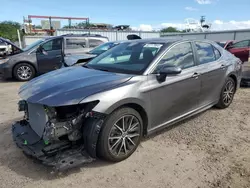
(217, 53)
(205, 52)
(94, 43)
(180, 55)
(75, 43)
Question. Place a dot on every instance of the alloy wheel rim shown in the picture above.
(124, 135)
(228, 93)
(24, 72)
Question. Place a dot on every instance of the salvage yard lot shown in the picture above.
(211, 149)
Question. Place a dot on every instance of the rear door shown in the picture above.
(212, 71)
(52, 57)
(241, 50)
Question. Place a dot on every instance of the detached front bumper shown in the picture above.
(60, 155)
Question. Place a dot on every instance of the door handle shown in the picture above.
(195, 75)
(222, 66)
(58, 56)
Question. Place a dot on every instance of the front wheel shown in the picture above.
(120, 135)
(227, 93)
(24, 72)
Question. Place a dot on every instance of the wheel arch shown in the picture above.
(136, 105)
(19, 62)
(234, 77)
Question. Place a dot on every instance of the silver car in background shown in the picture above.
(103, 108)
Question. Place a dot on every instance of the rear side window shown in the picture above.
(205, 52)
(75, 43)
(94, 43)
(217, 53)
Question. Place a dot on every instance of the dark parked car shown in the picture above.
(46, 55)
(105, 107)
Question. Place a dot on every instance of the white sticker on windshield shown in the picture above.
(153, 45)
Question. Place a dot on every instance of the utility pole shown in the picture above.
(202, 20)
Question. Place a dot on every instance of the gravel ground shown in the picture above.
(211, 149)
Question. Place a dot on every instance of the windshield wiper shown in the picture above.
(86, 66)
(101, 69)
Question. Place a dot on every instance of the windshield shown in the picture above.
(33, 45)
(129, 57)
(103, 48)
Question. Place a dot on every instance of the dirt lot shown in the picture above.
(210, 150)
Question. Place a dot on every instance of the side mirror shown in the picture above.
(167, 71)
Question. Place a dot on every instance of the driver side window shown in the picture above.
(180, 55)
(55, 44)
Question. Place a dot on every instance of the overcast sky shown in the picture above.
(139, 14)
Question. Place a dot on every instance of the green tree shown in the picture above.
(169, 30)
(8, 29)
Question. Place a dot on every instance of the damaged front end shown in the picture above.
(62, 137)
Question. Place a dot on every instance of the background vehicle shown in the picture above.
(3, 49)
(134, 89)
(240, 49)
(225, 44)
(85, 57)
(46, 55)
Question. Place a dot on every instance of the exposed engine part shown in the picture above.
(51, 112)
(54, 129)
(75, 135)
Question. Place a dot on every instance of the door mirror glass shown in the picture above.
(167, 70)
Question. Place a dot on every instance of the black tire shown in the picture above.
(30, 72)
(222, 102)
(104, 142)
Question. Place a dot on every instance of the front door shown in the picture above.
(212, 70)
(241, 50)
(50, 56)
(177, 95)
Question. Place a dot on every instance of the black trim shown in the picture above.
(61, 155)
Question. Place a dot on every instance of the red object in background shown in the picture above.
(240, 49)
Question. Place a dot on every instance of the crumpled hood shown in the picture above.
(73, 59)
(69, 86)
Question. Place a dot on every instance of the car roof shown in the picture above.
(75, 35)
(172, 40)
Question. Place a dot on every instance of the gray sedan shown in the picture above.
(75, 114)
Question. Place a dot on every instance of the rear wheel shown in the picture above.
(24, 72)
(227, 93)
(120, 135)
